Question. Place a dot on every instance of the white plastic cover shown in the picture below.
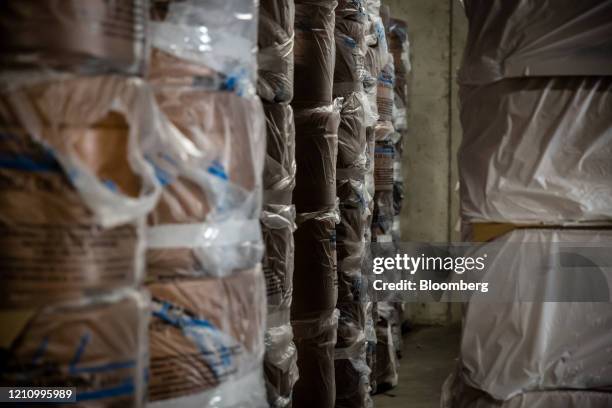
(541, 154)
(455, 394)
(520, 38)
(511, 348)
(206, 338)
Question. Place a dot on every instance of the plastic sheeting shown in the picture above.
(85, 198)
(211, 200)
(521, 38)
(400, 50)
(455, 394)
(207, 335)
(275, 57)
(278, 264)
(315, 340)
(349, 34)
(280, 167)
(314, 52)
(93, 37)
(315, 282)
(316, 155)
(568, 344)
(542, 155)
(280, 365)
(353, 375)
(384, 154)
(98, 344)
(207, 332)
(352, 159)
(219, 37)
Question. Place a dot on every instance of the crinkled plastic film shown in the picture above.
(543, 155)
(98, 343)
(280, 365)
(317, 147)
(352, 137)
(551, 357)
(275, 57)
(211, 199)
(385, 90)
(386, 358)
(207, 333)
(457, 394)
(278, 263)
(280, 167)
(315, 281)
(526, 38)
(315, 340)
(314, 51)
(71, 35)
(86, 197)
(219, 36)
(205, 245)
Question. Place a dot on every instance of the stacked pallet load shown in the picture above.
(314, 317)
(275, 88)
(352, 372)
(75, 190)
(375, 51)
(204, 242)
(535, 168)
(399, 48)
(383, 215)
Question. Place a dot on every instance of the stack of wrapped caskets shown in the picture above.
(75, 191)
(314, 317)
(132, 151)
(536, 172)
(275, 87)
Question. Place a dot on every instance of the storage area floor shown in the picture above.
(428, 358)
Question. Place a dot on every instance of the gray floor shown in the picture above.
(429, 357)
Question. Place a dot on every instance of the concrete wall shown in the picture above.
(437, 30)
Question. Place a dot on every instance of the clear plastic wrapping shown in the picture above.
(316, 155)
(542, 155)
(211, 164)
(216, 41)
(350, 238)
(352, 159)
(568, 346)
(456, 394)
(385, 90)
(93, 37)
(75, 184)
(280, 167)
(314, 51)
(349, 71)
(278, 262)
(275, 57)
(98, 344)
(206, 333)
(280, 365)
(384, 157)
(522, 38)
(315, 289)
(315, 340)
